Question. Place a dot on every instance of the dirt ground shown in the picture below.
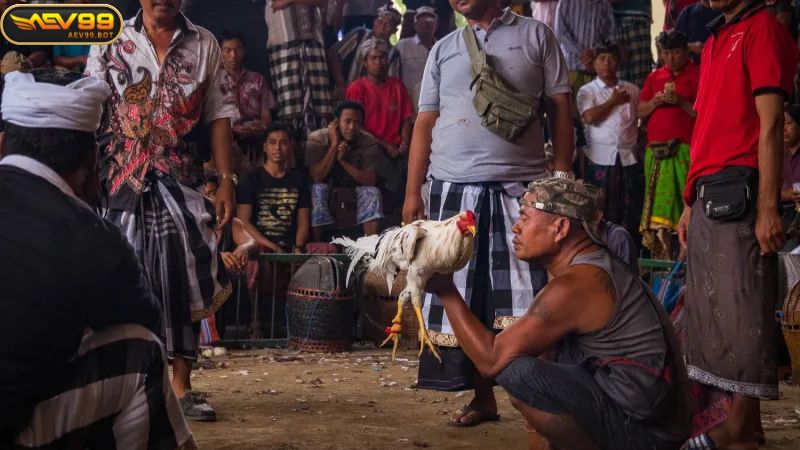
(282, 400)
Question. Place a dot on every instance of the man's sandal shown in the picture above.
(475, 415)
(701, 442)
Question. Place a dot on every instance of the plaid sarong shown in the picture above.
(172, 231)
(301, 82)
(508, 285)
(633, 34)
(115, 393)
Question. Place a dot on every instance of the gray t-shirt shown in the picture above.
(526, 54)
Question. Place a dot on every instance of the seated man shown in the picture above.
(236, 246)
(252, 94)
(343, 155)
(274, 201)
(80, 365)
(616, 379)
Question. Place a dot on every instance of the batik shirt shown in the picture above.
(251, 93)
(153, 106)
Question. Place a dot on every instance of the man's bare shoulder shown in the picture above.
(582, 291)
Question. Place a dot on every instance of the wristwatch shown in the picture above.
(230, 176)
(563, 174)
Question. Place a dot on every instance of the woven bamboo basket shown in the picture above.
(319, 308)
(379, 306)
(791, 329)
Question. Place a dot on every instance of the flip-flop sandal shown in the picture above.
(476, 419)
(701, 442)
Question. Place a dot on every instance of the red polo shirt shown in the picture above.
(386, 106)
(750, 55)
(670, 122)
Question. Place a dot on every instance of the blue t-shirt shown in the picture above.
(72, 50)
(692, 21)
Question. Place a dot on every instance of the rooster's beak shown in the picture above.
(472, 229)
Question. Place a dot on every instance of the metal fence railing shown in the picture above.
(274, 331)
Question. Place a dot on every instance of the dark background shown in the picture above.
(243, 16)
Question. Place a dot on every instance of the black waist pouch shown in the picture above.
(727, 194)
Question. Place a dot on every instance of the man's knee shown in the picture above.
(320, 214)
(370, 204)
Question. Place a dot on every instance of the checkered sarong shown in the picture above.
(633, 34)
(172, 231)
(301, 82)
(497, 286)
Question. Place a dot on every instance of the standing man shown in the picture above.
(633, 19)
(167, 83)
(297, 63)
(732, 219)
(469, 166)
(693, 21)
(607, 107)
(414, 51)
(387, 106)
(346, 56)
(581, 26)
(668, 100)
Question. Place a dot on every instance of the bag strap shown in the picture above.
(477, 56)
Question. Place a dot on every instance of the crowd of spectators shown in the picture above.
(629, 110)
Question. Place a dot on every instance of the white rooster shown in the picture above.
(422, 248)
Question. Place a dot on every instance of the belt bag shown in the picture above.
(503, 111)
(726, 195)
(665, 150)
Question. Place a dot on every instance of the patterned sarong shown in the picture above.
(172, 231)
(508, 285)
(302, 87)
(633, 34)
(731, 291)
(665, 180)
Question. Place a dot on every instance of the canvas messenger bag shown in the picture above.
(503, 111)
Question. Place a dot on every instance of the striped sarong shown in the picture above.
(115, 394)
(172, 231)
(496, 285)
(633, 34)
(301, 83)
(508, 285)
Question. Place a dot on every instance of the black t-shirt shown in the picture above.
(64, 269)
(275, 203)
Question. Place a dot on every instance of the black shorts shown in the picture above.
(571, 390)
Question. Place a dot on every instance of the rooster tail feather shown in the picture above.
(390, 280)
(361, 249)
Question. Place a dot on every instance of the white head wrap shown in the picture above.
(76, 106)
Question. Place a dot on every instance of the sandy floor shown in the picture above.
(275, 399)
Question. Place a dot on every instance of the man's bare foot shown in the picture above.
(472, 415)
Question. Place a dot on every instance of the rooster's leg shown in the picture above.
(393, 332)
(424, 339)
